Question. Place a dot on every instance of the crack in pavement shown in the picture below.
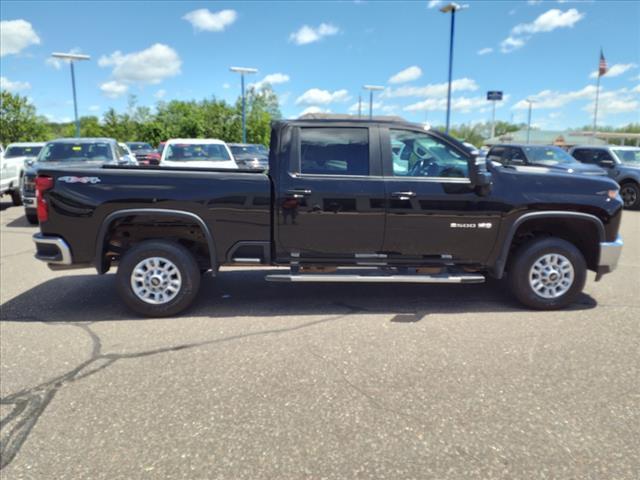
(29, 404)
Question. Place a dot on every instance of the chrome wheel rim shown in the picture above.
(551, 275)
(156, 280)
(629, 196)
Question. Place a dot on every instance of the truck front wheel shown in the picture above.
(547, 273)
(158, 278)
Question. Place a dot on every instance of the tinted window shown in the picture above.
(495, 154)
(22, 152)
(334, 151)
(418, 154)
(583, 155)
(67, 151)
(513, 156)
(196, 152)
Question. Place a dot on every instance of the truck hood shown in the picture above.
(230, 164)
(577, 168)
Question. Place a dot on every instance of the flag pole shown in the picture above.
(595, 112)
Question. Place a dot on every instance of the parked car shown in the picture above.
(145, 154)
(197, 152)
(66, 153)
(14, 160)
(249, 156)
(333, 198)
(621, 163)
(541, 158)
(126, 155)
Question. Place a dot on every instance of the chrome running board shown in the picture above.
(338, 278)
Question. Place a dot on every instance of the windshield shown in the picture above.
(262, 149)
(185, 152)
(627, 155)
(139, 146)
(245, 150)
(76, 152)
(16, 151)
(548, 155)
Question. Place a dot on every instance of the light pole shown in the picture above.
(530, 102)
(372, 88)
(451, 7)
(72, 57)
(242, 71)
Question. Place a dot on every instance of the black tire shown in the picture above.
(16, 198)
(519, 273)
(32, 218)
(630, 193)
(176, 254)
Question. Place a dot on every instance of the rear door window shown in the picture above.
(334, 151)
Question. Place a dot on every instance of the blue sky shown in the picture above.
(319, 54)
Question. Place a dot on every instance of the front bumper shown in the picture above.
(609, 256)
(53, 250)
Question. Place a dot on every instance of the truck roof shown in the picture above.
(82, 140)
(314, 119)
(197, 141)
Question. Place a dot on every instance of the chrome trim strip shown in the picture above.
(63, 247)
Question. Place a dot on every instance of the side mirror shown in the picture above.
(607, 163)
(480, 177)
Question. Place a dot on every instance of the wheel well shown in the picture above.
(125, 232)
(629, 180)
(582, 233)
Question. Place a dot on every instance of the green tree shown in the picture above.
(18, 120)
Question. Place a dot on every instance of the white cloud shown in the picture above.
(204, 20)
(461, 104)
(151, 65)
(615, 70)
(485, 51)
(313, 109)
(6, 84)
(160, 93)
(549, 21)
(114, 89)
(432, 90)
(614, 102)
(546, 22)
(307, 34)
(271, 79)
(226, 86)
(315, 96)
(554, 99)
(636, 89)
(15, 36)
(407, 75)
(510, 44)
(434, 3)
(94, 108)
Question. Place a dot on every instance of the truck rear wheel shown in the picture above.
(16, 198)
(547, 274)
(157, 278)
(630, 193)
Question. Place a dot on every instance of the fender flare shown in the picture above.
(162, 212)
(501, 261)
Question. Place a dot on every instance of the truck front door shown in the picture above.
(330, 200)
(433, 212)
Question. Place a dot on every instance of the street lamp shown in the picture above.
(242, 71)
(530, 102)
(372, 88)
(72, 57)
(451, 7)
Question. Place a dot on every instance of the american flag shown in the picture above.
(602, 68)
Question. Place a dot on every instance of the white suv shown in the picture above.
(13, 164)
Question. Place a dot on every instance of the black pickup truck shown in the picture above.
(343, 201)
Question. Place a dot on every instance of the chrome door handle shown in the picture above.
(403, 195)
(298, 193)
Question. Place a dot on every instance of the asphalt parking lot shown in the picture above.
(266, 380)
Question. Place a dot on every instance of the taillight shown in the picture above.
(43, 183)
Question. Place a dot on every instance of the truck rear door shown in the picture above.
(433, 212)
(330, 197)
